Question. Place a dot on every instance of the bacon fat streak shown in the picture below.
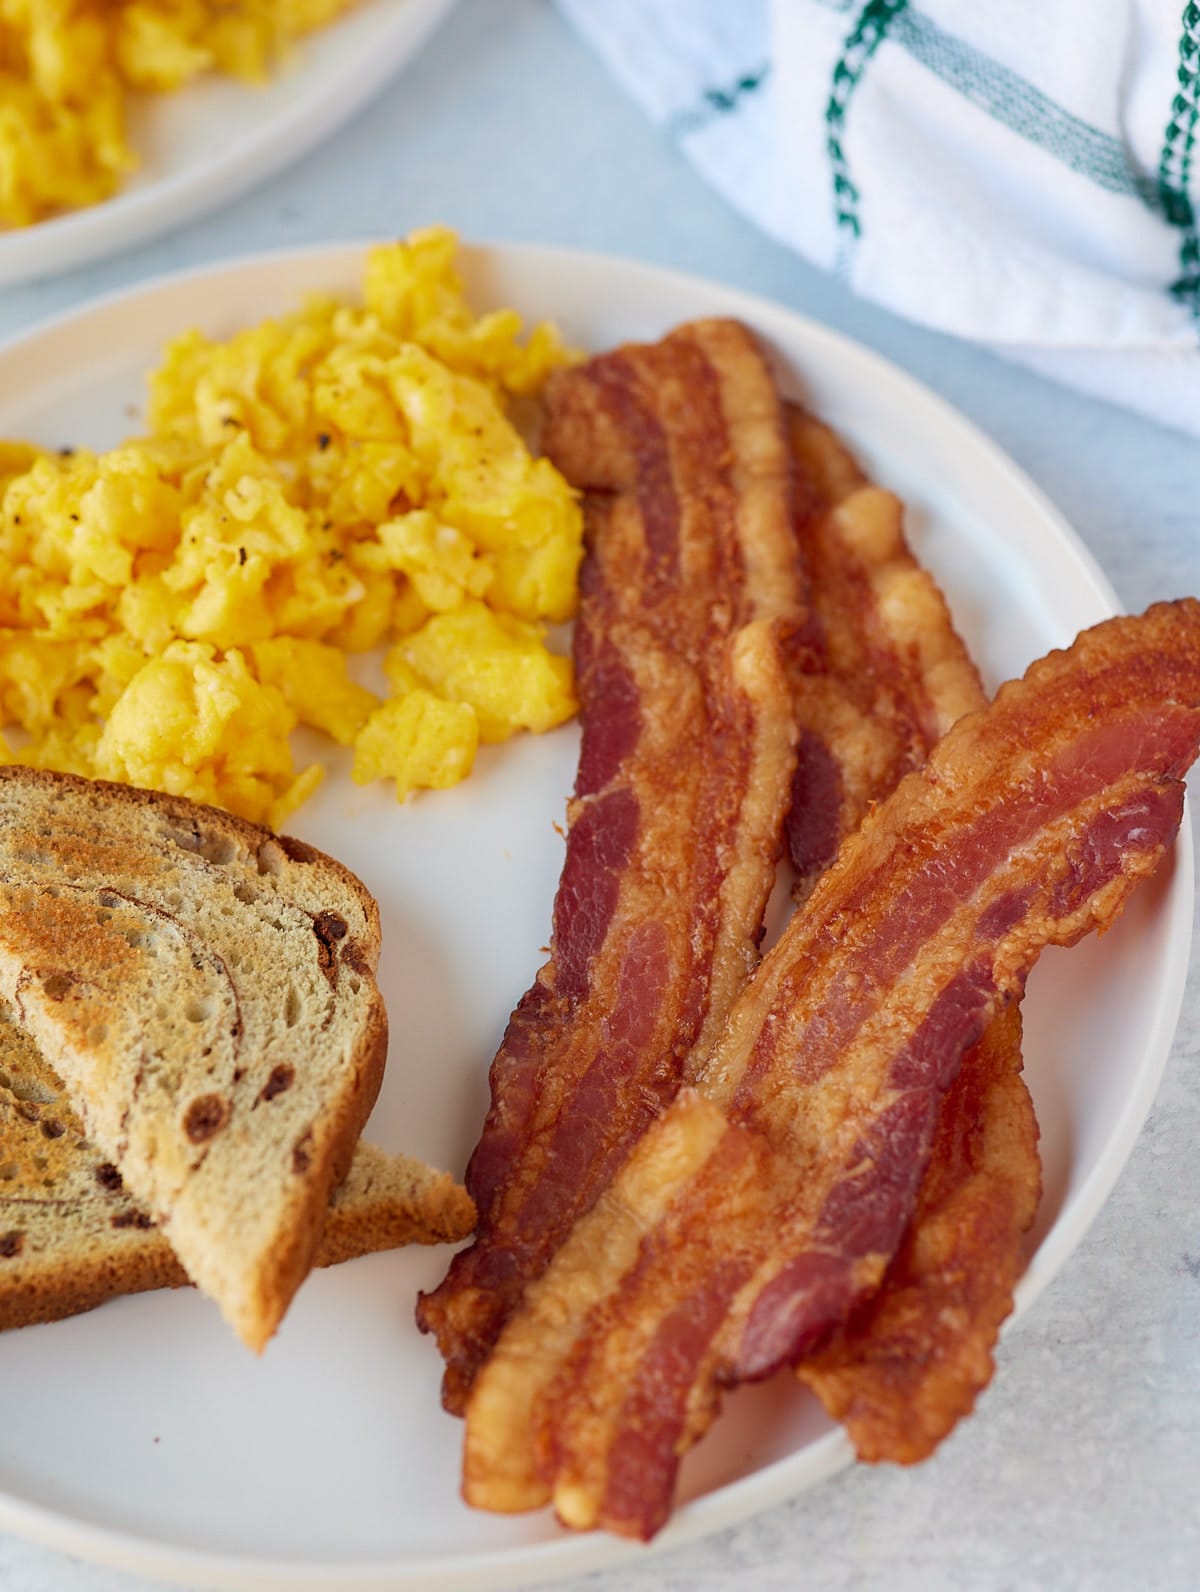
(894, 677)
(692, 595)
(879, 673)
(767, 1201)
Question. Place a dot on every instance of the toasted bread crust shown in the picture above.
(71, 1236)
(206, 990)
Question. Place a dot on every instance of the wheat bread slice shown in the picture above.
(205, 989)
(72, 1236)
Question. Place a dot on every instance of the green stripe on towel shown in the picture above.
(1016, 104)
(1175, 162)
(860, 44)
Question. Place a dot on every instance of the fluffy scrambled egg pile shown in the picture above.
(67, 67)
(342, 479)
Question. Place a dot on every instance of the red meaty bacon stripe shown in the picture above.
(768, 1200)
(892, 673)
(883, 675)
(894, 677)
(692, 597)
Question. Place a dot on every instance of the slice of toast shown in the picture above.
(206, 991)
(72, 1236)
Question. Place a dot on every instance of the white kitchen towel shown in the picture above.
(1025, 174)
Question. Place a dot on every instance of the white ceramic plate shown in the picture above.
(143, 1435)
(216, 138)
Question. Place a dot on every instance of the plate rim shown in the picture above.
(795, 1473)
(134, 216)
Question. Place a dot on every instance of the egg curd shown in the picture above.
(342, 479)
(67, 68)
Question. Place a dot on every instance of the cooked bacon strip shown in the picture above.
(910, 1362)
(896, 677)
(893, 673)
(781, 1192)
(882, 674)
(691, 595)
(885, 675)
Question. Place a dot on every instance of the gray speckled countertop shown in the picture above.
(1082, 1469)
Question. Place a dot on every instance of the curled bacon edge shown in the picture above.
(764, 1206)
(692, 613)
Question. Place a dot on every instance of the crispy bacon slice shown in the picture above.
(896, 677)
(893, 674)
(765, 1204)
(692, 599)
(910, 1362)
(885, 675)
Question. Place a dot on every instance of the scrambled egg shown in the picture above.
(67, 67)
(339, 480)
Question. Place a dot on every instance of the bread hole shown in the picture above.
(216, 848)
(40, 1163)
(245, 894)
(107, 899)
(103, 915)
(293, 1008)
(108, 1177)
(52, 890)
(169, 1075)
(5, 1081)
(8, 1171)
(31, 1089)
(174, 900)
(200, 1011)
(52, 1128)
(302, 1153)
(219, 849)
(57, 985)
(355, 986)
(270, 859)
(11, 1243)
(161, 1013)
(97, 1033)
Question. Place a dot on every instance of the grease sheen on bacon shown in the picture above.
(890, 674)
(766, 1203)
(880, 674)
(893, 677)
(692, 596)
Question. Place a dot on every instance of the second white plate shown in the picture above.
(143, 1435)
(216, 138)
